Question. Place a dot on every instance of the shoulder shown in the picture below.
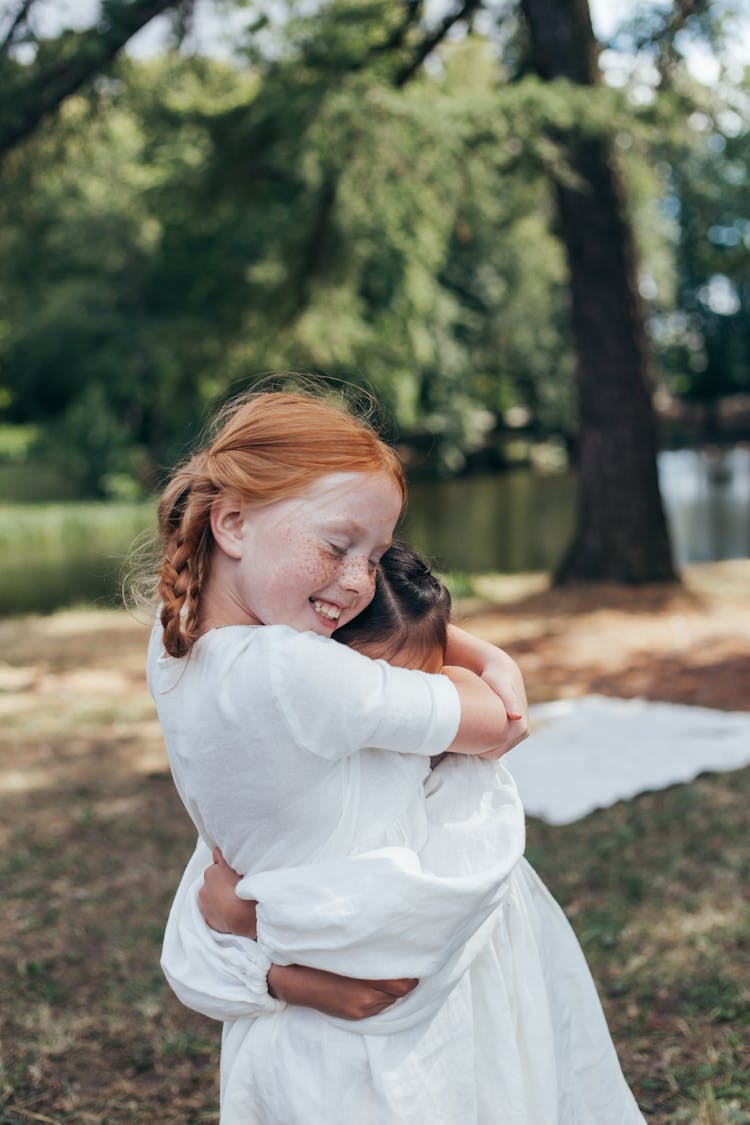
(310, 657)
(275, 660)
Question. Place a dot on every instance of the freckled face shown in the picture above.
(310, 561)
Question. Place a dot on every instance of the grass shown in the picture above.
(655, 889)
(63, 553)
(93, 840)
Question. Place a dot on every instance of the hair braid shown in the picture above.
(184, 515)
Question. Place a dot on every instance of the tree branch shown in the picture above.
(64, 64)
(664, 25)
(412, 13)
(18, 19)
(464, 11)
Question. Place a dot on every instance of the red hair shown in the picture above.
(265, 447)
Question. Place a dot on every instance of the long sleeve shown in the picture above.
(391, 906)
(381, 914)
(220, 975)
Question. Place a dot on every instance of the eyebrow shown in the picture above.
(349, 525)
(342, 524)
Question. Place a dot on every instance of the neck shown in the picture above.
(219, 604)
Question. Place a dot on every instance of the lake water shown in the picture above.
(61, 554)
(523, 521)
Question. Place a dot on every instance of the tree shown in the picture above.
(621, 531)
(325, 201)
(62, 64)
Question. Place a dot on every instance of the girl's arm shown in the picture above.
(390, 912)
(500, 672)
(227, 976)
(483, 726)
(344, 998)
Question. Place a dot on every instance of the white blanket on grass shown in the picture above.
(588, 753)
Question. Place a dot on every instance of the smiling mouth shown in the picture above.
(330, 612)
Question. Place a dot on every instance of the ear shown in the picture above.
(228, 525)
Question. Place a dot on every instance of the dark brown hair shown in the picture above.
(411, 608)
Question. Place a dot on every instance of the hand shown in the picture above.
(502, 674)
(219, 904)
(345, 997)
(504, 677)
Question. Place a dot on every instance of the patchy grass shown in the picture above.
(655, 889)
(93, 840)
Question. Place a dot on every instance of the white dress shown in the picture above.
(394, 872)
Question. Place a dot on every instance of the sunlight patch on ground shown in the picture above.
(707, 919)
(131, 750)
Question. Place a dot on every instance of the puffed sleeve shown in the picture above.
(392, 913)
(223, 976)
(347, 915)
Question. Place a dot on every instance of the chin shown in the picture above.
(318, 627)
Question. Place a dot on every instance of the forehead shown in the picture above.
(358, 498)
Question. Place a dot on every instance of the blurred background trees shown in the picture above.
(368, 189)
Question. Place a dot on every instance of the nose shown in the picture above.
(357, 576)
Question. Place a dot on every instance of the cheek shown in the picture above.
(315, 566)
(300, 567)
(368, 583)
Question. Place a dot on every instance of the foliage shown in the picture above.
(39, 73)
(184, 224)
(706, 332)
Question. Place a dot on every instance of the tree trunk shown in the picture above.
(621, 532)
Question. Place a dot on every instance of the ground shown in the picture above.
(686, 644)
(93, 841)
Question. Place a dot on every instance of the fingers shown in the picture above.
(218, 858)
(219, 861)
(504, 677)
(396, 988)
(517, 731)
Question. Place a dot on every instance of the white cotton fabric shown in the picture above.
(399, 878)
(263, 724)
(587, 753)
